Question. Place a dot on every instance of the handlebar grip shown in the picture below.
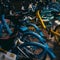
(6, 25)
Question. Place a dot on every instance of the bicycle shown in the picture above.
(44, 26)
(29, 44)
(29, 50)
(25, 45)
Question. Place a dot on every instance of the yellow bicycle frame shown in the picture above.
(3, 50)
(43, 25)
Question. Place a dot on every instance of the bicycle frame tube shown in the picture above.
(54, 32)
(50, 52)
(42, 40)
(44, 26)
(6, 25)
(46, 49)
(3, 50)
(38, 16)
(36, 27)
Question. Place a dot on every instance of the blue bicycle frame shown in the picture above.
(6, 25)
(46, 49)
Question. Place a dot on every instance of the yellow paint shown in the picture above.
(56, 33)
(41, 20)
(43, 25)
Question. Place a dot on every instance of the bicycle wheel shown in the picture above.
(32, 37)
(34, 50)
